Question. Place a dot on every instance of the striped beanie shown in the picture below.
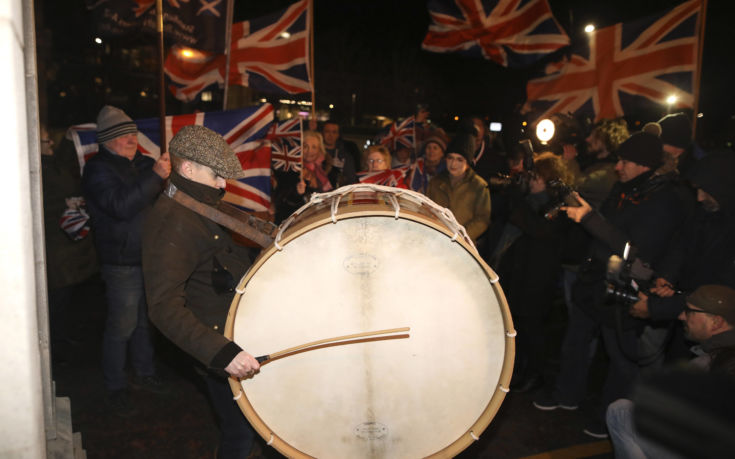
(113, 123)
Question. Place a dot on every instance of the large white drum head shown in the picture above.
(399, 398)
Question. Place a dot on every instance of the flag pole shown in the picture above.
(311, 58)
(698, 71)
(228, 44)
(161, 81)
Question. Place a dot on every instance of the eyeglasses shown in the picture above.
(688, 310)
(372, 161)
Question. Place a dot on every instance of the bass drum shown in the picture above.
(358, 259)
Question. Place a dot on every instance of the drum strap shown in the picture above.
(229, 216)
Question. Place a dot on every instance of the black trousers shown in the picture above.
(237, 435)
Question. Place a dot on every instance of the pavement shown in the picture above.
(181, 424)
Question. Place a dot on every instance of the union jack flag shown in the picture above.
(244, 129)
(286, 145)
(267, 53)
(389, 177)
(510, 32)
(270, 53)
(418, 180)
(624, 67)
(401, 134)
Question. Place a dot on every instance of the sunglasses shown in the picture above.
(688, 310)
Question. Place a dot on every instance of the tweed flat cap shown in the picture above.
(715, 299)
(206, 147)
(113, 123)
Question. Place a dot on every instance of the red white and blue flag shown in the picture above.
(512, 33)
(389, 177)
(418, 179)
(286, 145)
(269, 53)
(244, 129)
(624, 68)
(400, 135)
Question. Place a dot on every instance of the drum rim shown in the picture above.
(367, 210)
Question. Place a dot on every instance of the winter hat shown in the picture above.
(206, 147)
(434, 139)
(642, 148)
(463, 143)
(715, 299)
(113, 123)
(676, 130)
(713, 174)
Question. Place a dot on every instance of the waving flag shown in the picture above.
(270, 53)
(267, 53)
(196, 23)
(286, 145)
(510, 32)
(624, 67)
(194, 72)
(389, 177)
(401, 134)
(418, 179)
(244, 129)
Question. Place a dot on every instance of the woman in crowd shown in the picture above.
(293, 191)
(432, 155)
(531, 264)
(460, 189)
(378, 158)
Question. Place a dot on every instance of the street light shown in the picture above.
(589, 28)
(670, 101)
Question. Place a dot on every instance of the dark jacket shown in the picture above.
(704, 252)
(530, 267)
(118, 191)
(645, 211)
(68, 262)
(346, 161)
(191, 267)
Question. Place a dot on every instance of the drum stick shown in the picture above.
(334, 340)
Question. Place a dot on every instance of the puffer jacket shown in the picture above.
(118, 191)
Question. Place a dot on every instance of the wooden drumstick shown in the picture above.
(334, 341)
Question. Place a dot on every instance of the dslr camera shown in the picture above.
(627, 276)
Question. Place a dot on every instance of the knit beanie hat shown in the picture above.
(642, 148)
(716, 299)
(463, 143)
(206, 147)
(434, 139)
(113, 123)
(676, 130)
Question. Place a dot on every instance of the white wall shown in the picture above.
(21, 401)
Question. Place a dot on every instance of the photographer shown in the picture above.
(642, 209)
(531, 264)
(704, 252)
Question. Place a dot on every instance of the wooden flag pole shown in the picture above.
(228, 43)
(161, 81)
(698, 71)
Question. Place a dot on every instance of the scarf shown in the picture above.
(321, 177)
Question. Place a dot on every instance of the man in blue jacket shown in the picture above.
(119, 184)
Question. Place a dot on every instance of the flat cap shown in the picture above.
(206, 147)
(715, 299)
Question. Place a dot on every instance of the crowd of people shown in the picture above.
(630, 230)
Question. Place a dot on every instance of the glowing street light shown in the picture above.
(672, 99)
(589, 28)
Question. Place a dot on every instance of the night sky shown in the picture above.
(367, 48)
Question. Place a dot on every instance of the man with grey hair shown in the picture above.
(119, 184)
(192, 266)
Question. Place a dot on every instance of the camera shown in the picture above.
(627, 276)
(562, 195)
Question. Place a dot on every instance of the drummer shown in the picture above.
(191, 267)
